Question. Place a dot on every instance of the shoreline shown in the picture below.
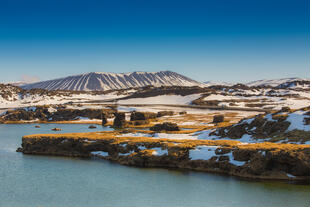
(260, 161)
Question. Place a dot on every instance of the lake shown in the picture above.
(46, 181)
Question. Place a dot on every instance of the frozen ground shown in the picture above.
(35, 100)
(166, 99)
(260, 97)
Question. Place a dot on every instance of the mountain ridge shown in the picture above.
(100, 81)
(293, 82)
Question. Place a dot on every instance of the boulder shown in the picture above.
(140, 116)
(285, 109)
(218, 118)
(166, 126)
(119, 120)
(165, 113)
(139, 122)
(104, 120)
(92, 127)
(235, 132)
(307, 121)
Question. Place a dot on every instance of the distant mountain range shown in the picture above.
(100, 81)
(277, 83)
(282, 83)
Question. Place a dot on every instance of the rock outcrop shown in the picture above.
(283, 126)
(119, 120)
(218, 118)
(165, 113)
(259, 161)
(166, 126)
(141, 116)
(104, 120)
(49, 114)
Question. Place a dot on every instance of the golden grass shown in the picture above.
(112, 137)
(200, 119)
(117, 136)
(75, 122)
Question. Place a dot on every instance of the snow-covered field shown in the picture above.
(274, 99)
(165, 99)
(36, 100)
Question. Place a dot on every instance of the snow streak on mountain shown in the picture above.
(100, 81)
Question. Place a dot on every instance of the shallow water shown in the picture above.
(43, 181)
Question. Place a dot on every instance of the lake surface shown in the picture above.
(43, 181)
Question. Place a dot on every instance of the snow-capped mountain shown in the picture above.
(281, 83)
(100, 81)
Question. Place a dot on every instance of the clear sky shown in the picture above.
(217, 40)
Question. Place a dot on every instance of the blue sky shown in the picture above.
(217, 40)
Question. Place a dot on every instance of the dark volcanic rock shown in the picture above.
(61, 114)
(259, 127)
(263, 163)
(119, 120)
(104, 120)
(165, 113)
(285, 109)
(18, 115)
(307, 121)
(140, 116)
(166, 126)
(218, 118)
(139, 122)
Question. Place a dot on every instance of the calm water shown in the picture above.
(41, 181)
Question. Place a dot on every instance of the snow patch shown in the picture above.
(159, 151)
(202, 153)
(100, 153)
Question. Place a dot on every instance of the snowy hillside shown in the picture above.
(294, 83)
(100, 81)
(13, 96)
(281, 83)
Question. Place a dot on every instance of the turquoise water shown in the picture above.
(42, 181)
